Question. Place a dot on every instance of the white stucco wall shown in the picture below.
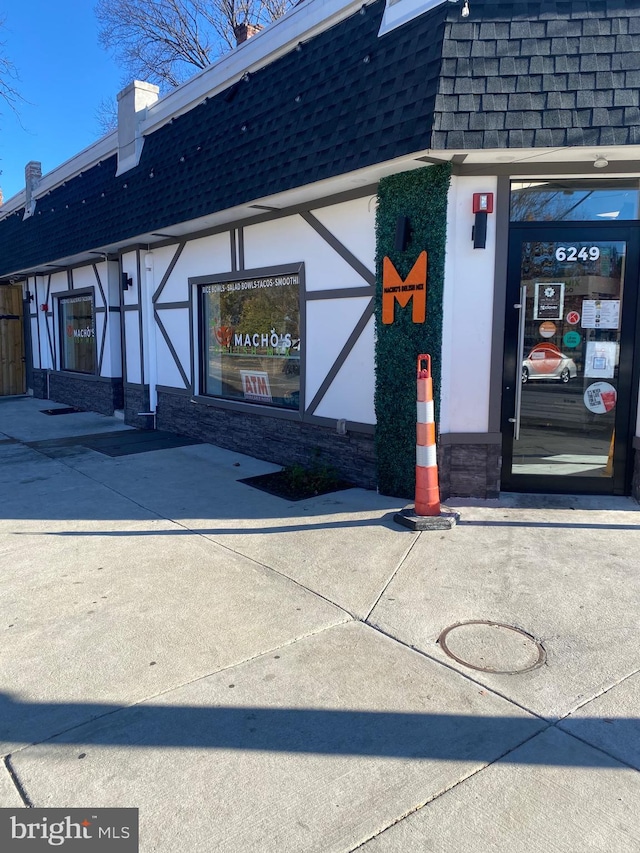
(329, 322)
(355, 224)
(291, 240)
(351, 393)
(467, 312)
(176, 324)
(206, 256)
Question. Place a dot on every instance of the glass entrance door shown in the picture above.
(569, 359)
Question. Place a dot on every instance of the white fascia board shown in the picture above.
(399, 12)
(300, 24)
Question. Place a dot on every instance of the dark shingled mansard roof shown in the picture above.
(540, 73)
(533, 73)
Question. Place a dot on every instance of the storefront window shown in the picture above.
(78, 334)
(574, 201)
(251, 340)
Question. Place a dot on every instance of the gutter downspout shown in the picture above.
(149, 332)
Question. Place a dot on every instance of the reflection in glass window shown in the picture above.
(574, 201)
(78, 334)
(251, 340)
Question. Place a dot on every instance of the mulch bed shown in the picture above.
(279, 484)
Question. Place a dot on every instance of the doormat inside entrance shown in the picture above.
(69, 410)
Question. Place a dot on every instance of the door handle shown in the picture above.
(522, 308)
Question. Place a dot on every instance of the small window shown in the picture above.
(78, 334)
(250, 339)
(574, 201)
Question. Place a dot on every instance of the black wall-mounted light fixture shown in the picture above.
(127, 281)
(479, 231)
(403, 233)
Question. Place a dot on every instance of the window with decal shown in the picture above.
(78, 334)
(250, 339)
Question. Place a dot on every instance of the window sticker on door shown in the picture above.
(600, 313)
(547, 329)
(548, 301)
(572, 339)
(600, 398)
(601, 359)
(573, 318)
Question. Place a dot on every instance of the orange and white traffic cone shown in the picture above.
(427, 514)
(427, 489)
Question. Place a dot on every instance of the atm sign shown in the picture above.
(255, 386)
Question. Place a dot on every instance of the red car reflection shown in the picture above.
(545, 361)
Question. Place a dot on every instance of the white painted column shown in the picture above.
(149, 332)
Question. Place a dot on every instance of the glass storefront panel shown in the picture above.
(572, 298)
(250, 333)
(78, 334)
(560, 200)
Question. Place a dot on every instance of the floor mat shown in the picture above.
(119, 443)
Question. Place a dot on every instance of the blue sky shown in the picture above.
(64, 75)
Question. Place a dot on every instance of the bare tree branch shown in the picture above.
(166, 41)
(106, 115)
(8, 77)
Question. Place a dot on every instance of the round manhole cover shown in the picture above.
(492, 647)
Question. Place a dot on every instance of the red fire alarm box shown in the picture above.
(483, 202)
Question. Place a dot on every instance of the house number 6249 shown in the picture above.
(573, 253)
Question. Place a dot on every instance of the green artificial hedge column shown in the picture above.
(421, 195)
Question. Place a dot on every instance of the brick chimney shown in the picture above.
(32, 176)
(242, 32)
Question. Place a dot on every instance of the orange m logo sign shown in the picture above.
(413, 287)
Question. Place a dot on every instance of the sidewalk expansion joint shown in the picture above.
(597, 748)
(595, 696)
(120, 708)
(446, 790)
(17, 784)
(210, 538)
(401, 562)
(465, 675)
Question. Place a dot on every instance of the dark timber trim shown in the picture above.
(172, 350)
(170, 268)
(339, 248)
(503, 200)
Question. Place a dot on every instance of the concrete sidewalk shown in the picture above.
(256, 674)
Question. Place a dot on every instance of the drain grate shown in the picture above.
(492, 647)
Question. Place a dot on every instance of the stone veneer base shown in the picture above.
(278, 440)
(635, 483)
(136, 401)
(469, 470)
(100, 394)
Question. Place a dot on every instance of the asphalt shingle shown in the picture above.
(531, 73)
